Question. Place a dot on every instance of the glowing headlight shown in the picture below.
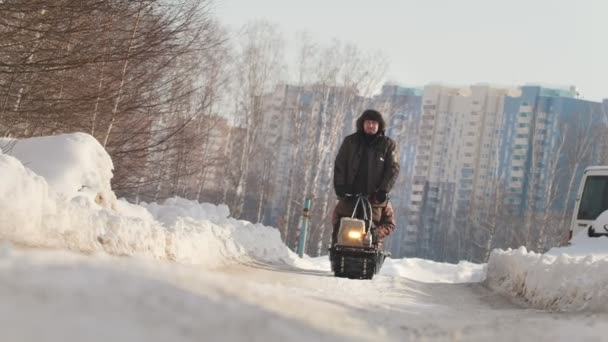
(354, 234)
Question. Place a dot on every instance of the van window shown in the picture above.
(595, 198)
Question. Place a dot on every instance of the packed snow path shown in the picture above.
(57, 296)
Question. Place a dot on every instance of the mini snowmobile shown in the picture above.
(356, 255)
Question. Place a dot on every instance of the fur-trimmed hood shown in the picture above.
(371, 114)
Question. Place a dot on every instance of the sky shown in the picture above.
(549, 42)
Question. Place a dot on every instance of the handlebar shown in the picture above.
(357, 195)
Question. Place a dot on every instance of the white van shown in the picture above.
(591, 199)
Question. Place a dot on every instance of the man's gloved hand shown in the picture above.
(374, 232)
(377, 233)
(380, 196)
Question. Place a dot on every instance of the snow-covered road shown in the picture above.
(397, 309)
(58, 296)
(194, 273)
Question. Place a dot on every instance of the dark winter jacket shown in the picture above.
(379, 155)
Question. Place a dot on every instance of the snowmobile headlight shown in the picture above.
(354, 234)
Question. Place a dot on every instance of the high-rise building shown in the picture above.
(435, 162)
(222, 136)
(401, 107)
(551, 135)
(455, 162)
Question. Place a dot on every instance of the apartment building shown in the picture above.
(456, 161)
(435, 165)
(401, 107)
(222, 137)
(552, 136)
(279, 133)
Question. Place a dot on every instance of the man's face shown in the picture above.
(370, 127)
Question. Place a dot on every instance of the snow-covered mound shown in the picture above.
(49, 197)
(428, 271)
(175, 208)
(73, 165)
(572, 278)
(23, 198)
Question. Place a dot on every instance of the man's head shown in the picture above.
(370, 127)
(371, 122)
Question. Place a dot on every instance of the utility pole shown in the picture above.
(304, 227)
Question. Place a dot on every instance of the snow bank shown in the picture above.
(203, 231)
(175, 208)
(427, 271)
(573, 278)
(23, 199)
(73, 165)
(50, 191)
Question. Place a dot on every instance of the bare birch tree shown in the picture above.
(259, 67)
(103, 67)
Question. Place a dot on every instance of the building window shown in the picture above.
(467, 171)
(464, 192)
(466, 181)
(464, 202)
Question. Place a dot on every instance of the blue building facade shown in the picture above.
(401, 106)
(547, 140)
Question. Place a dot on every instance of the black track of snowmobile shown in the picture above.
(356, 262)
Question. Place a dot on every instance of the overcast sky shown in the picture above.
(551, 42)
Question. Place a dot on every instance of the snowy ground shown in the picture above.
(56, 296)
(194, 272)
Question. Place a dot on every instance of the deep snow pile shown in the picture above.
(572, 278)
(73, 165)
(428, 271)
(72, 206)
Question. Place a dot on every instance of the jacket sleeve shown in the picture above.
(387, 222)
(391, 168)
(340, 169)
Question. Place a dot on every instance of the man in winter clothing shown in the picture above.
(367, 163)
